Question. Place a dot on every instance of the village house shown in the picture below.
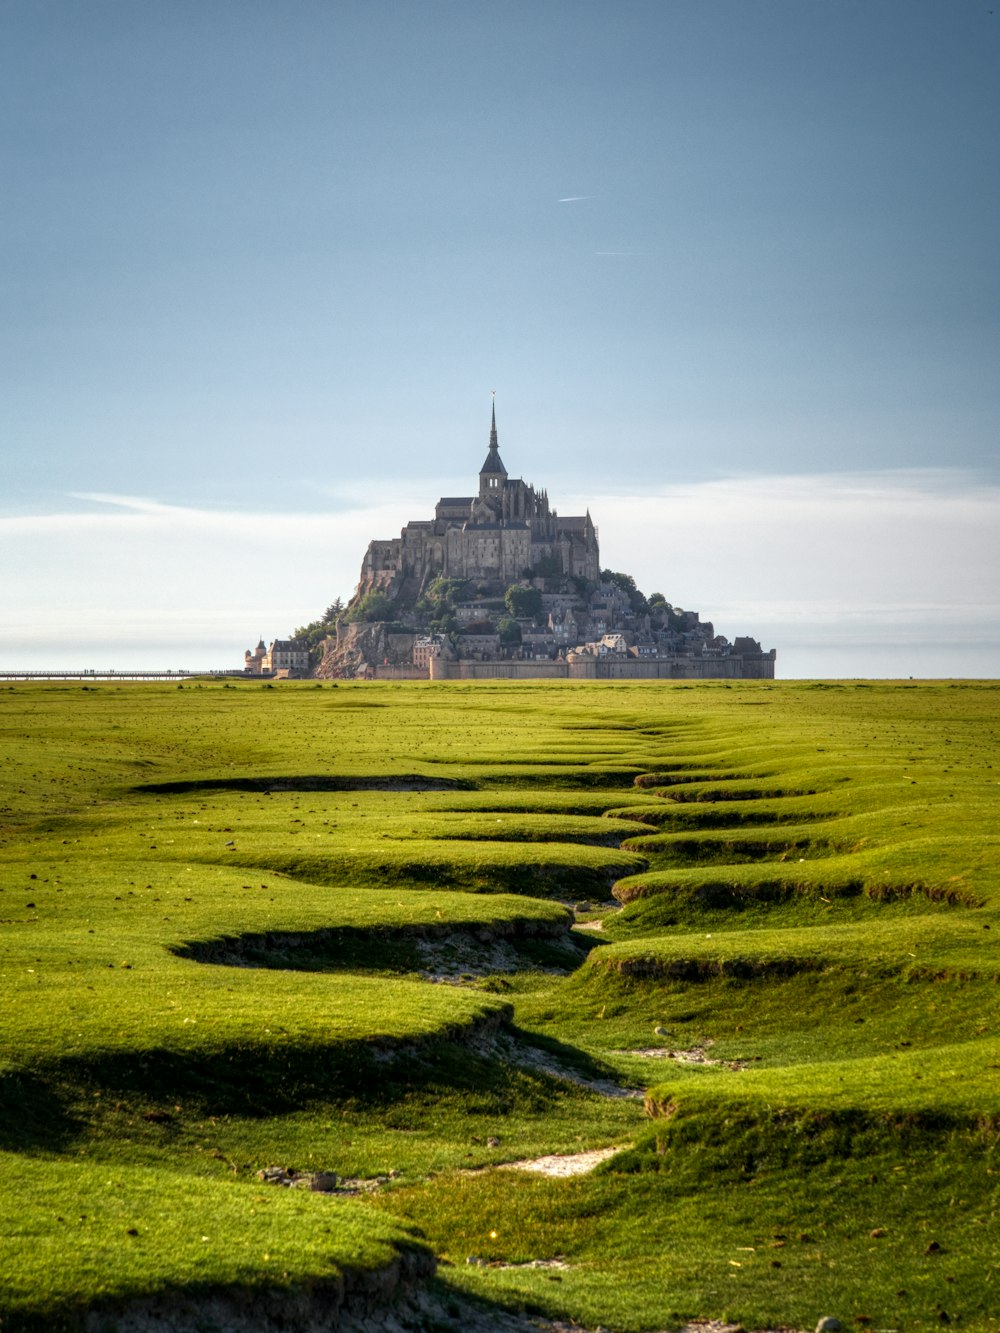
(283, 657)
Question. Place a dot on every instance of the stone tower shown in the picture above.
(493, 474)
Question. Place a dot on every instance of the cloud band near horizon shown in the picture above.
(865, 557)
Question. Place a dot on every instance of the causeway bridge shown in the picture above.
(109, 674)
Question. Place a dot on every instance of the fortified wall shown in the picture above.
(752, 666)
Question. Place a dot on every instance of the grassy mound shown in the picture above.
(97, 1238)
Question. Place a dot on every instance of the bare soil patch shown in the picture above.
(694, 1055)
(504, 1046)
(561, 1165)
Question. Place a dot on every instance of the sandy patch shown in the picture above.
(476, 1262)
(564, 1164)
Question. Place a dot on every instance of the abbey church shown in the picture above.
(498, 537)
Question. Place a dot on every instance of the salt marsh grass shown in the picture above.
(334, 928)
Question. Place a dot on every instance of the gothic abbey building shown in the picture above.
(499, 585)
(495, 538)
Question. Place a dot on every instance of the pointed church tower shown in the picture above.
(493, 474)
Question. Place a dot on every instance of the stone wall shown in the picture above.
(381, 672)
(609, 668)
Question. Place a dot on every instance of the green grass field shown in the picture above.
(747, 934)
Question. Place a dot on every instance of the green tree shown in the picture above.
(445, 591)
(626, 582)
(313, 634)
(317, 630)
(373, 606)
(509, 631)
(523, 602)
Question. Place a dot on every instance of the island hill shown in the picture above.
(499, 585)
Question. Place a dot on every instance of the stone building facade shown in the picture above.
(290, 656)
(496, 537)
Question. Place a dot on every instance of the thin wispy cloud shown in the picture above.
(135, 503)
(576, 198)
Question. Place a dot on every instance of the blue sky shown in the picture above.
(726, 263)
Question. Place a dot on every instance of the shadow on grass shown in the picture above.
(429, 948)
(677, 816)
(560, 774)
(35, 1114)
(160, 1091)
(722, 848)
(548, 879)
(309, 782)
(564, 1056)
(740, 1140)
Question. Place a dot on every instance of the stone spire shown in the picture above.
(492, 472)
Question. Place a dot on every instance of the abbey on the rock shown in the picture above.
(498, 537)
(499, 585)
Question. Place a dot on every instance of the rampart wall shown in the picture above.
(376, 671)
(606, 668)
